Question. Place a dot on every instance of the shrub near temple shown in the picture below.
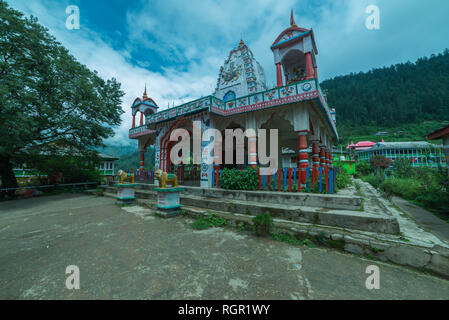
(234, 179)
(263, 224)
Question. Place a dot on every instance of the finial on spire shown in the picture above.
(145, 92)
(292, 20)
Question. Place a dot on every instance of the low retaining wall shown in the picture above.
(275, 197)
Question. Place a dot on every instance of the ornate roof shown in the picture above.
(293, 34)
(240, 74)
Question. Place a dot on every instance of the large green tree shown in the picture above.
(47, 98)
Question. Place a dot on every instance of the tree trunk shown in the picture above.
(7, 174)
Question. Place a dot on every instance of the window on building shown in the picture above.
(230, 95)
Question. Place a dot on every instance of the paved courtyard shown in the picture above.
(123, 256)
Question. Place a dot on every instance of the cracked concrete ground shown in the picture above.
(122, 255)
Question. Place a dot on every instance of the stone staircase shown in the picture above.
(319, 209)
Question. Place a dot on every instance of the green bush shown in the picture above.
(374, 179)
(343, 178)
(234, 179)
(210, 221)
(363, 168)
(263, 224)
(425, 186)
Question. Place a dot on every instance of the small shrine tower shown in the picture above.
(295, 50)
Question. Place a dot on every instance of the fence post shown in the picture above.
(279, 178)
(264, 177)
(307, 179)
(289, 179)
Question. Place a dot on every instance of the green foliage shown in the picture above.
(363, 168)
(381, 97)
(46, 96)
(343, 178)
(374, 179)
(210, 221)
(427, 187)
(240, 180)
(73, 169)
(287, 238)
(263, 224)
(380, 161)
(131, 160)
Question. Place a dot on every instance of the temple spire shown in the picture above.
(292, 20)
(145, 92)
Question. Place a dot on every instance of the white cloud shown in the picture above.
(194, 37)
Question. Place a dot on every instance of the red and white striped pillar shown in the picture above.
(252, 151)
(326, 169)
(322, 157)
(303, 158)
(218, 159)
(316, 162)
(142, 160)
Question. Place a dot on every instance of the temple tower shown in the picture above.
(294, 53)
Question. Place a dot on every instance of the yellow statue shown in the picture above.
(125, 176)
(164, 177)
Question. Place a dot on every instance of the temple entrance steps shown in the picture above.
(318, 209)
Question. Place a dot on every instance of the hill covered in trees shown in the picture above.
(391, 97)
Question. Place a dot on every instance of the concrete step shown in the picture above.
(287, 198)
(339, 218)
(299, 210)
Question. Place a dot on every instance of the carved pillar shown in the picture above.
(303, 157)
(322, 157)
(142, 160)
(252, 151)
(316, 162)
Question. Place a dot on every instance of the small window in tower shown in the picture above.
(230, 95)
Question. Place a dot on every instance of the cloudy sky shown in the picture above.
(176, 47)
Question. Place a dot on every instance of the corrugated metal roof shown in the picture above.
(403, 145)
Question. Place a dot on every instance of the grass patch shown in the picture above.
(202, 223)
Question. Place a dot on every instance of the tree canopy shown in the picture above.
(47, 96)
(386, 97)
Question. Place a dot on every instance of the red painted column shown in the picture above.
(252, 151)
(326, 169)
(309, 65)
(141, 119)
(142, 160)
(315, 71)
(279, 75)
(303, 159)
(322, 157)
(316, 162)
(218, 155)
(134, 121)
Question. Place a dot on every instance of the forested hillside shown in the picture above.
(392, 96)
